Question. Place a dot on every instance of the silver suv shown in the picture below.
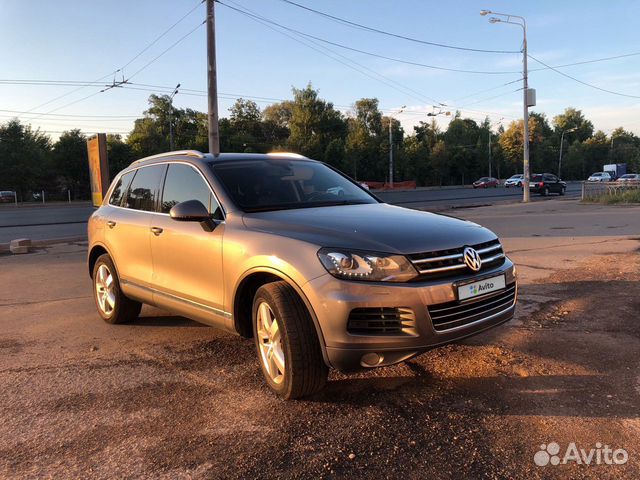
(291, 252)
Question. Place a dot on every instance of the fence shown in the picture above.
(598, 189)
(35, 197)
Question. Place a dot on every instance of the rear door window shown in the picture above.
(120, 189)
(145, 188)
(184, 183)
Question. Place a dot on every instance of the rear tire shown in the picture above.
(289, 351)
(545, 191)
(113, 306)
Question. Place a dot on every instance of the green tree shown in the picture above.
(573, 118)
(71, 164)
(440, 162)
(25, 159)
(314, 124)
(119, 153)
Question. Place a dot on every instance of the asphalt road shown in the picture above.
(62, 220)
(457, 197)
(165, 397)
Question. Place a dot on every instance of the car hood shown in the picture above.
(378, 227)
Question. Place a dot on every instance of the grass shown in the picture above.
(630, 196)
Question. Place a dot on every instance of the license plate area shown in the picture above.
(482, 287)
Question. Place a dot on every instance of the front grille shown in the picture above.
(446, 316)
(382, 321)
(443, 263)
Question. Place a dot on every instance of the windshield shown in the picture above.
(276, 184)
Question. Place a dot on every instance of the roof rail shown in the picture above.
(286, 154)
(190, 153)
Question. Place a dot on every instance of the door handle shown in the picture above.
(111, 223)
(156, 230)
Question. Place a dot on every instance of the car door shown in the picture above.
(187, 260)
(550, 181)
(127, 230)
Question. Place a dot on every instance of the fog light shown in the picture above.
(371, 359)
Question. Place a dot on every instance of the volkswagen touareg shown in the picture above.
(289, 251)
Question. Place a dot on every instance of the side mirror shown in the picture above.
(193, 211)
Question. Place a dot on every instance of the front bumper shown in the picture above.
(333, 299)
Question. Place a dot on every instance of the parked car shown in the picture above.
(547, 183)
(486, 182)
(600, 177)
(630, 177)
(260, 245)
(514, 180)
(7, 196)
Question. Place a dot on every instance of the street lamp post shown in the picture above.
(525, 79)
(391, 144)
(561, 141)
(171, 142)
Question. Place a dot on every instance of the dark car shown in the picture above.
(486, 182)
(6, 196)
(547, 183)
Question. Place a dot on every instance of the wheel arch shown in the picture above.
(243, 300)
(95, 252)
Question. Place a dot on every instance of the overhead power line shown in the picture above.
(583, 82)
(270, 24)
(395, 35)
(112, 74)
(154, 41)
(584, 62)
(364, 52)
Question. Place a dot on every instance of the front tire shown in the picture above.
(286, 342)
(562, 190)
(113, 306)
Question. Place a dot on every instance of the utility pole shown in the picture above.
(214, 133)
(391, 152)
(525, 140)
(525, 92)
(171, 142)
(391, 144)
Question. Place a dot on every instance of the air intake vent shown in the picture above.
(382, 321)
(451, 315)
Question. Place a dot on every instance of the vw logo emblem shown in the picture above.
(472, 259)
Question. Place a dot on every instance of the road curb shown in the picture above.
(4, 247)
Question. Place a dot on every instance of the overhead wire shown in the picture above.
(583, 82)
(396, 35)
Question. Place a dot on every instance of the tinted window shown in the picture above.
(261, 185)
(185, 183)
(145, 187)
(536, 178)
(120, 188)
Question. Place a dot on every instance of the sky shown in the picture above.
(73, 42)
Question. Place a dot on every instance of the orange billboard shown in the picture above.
(98, 167)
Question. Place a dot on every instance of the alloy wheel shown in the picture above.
(270, 343)
(104, 283)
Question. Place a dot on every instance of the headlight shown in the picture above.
(375, 267)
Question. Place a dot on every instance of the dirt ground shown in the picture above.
(167, 398)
